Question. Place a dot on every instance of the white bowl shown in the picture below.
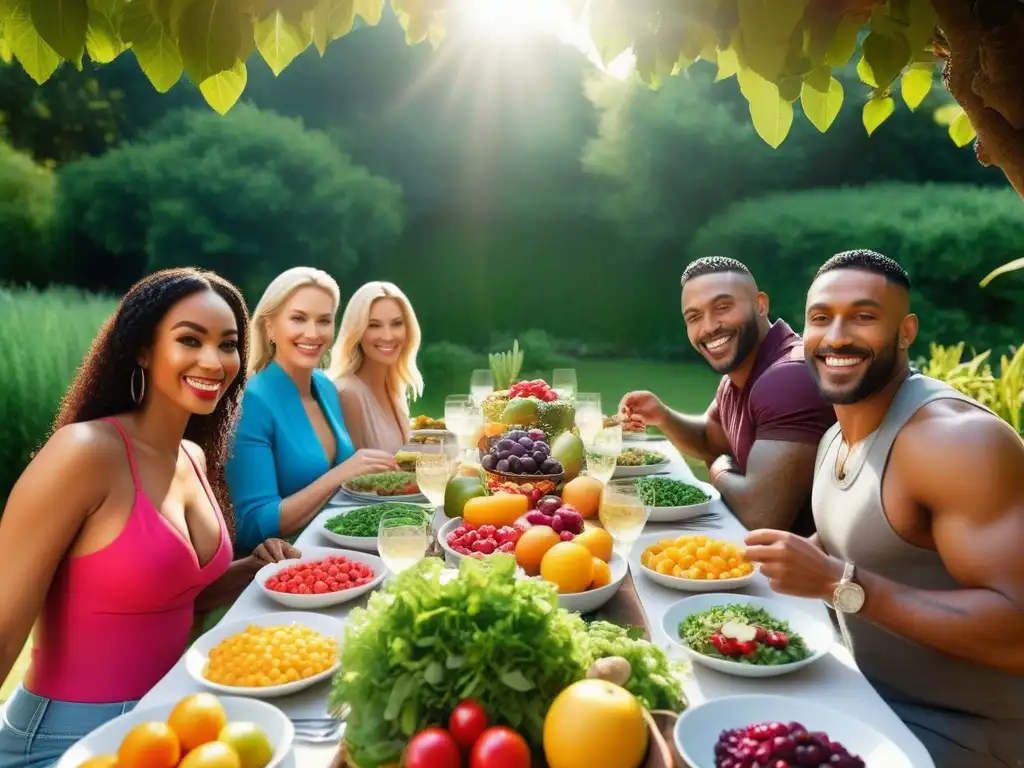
(198, 655)
(690, 511)
(698, 728)
(106, 739)
(313, 602)
(684, 585)
(593, 599)
(641, 471)
(362, 543)
(815, 629)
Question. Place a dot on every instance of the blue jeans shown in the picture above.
(35, 732)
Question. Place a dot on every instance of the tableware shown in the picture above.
(563, 382)
(594, 599)
(814, 626)
(362, 543)
(604, 453)
(464, 418)
(481, 384)
(433, 471)
(690, 511)
(698, 728)
(373, 498)
(622, 514)
(675, 582)
(589, 418)
(197, 656)
(106, 739)
(315, 601)
(640, 471)
(400, 542)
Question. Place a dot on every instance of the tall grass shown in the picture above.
(43, 338)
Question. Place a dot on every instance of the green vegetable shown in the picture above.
(640, 457)
(654, 679)
(420, 647)
(365, 521)
(666, 492)
(385, 483)
(696, 631)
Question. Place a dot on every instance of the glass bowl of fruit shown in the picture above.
(520, 456)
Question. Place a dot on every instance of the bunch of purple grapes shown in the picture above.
(521, 452)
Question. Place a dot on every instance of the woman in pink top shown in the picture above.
(114, 535)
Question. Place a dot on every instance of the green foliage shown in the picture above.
(26, 211)
(1003, 394)
(781, 51)
(248, 195)
(944, 235)
(44, 337)
(446, 367)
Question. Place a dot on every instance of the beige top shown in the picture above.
(369, 424)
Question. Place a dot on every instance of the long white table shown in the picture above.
(833, 681)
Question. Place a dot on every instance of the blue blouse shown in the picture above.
(276, 451)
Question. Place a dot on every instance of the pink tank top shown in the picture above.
(115, 621)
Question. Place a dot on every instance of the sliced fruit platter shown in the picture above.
(198, 731)
(421, 423)
(357, 527)
(398, 486)
(637, 462)
(673, 500)
(693, 563)
(322, 577)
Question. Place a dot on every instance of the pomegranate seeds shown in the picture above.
(781, 745)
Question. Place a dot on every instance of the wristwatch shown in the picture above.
(848, 596)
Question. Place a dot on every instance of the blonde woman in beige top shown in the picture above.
(373, 365)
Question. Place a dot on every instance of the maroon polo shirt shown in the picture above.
(780, 401)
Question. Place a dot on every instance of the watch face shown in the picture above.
(848, 598)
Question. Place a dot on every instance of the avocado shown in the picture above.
(556, 417)
(521, 410)
(459, 490)
(567, 450)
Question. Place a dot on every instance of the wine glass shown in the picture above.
(463, 418)
(563, 382)
(402, 541)
(604, 455)
(589, 417)
(433, 471)
(481, 384)
(622, 514)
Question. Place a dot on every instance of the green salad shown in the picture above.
(666, 492)
(365, 521)
(743, 634)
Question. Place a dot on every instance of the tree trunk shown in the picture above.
(985, 74)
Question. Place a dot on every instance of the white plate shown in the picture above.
(313, 602)
(816, 630)
(690, 511)
(362, 543)
(640, 437)
(373, 498)
(197, 656)
(593, 599)
(431, 433)
(106, 739)
(674, 582)
(642, 471)
(698, 728)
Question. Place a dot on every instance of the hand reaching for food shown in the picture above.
(366, 461)
(639, 409)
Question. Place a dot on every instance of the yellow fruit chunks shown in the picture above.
(696, 557)
(264, 656)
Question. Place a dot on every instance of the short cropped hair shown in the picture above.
(711, 265)
(867, 261)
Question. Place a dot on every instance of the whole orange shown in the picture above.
(595, 724)
(584, 493)
(101, 761)
(602, 574)
(212, 755)
(598, 541)
(149, 745)
(533, 545)
(197, 719)
(568, 566)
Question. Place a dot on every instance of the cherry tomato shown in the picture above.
(500, 747)
(467, 721)
(432, 748)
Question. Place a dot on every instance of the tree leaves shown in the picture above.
(61, 24)
(279, 41)
(916, 83)
(370, 10)
(103, 40)
(148, 31)
(961, 131)
(876, 112)
(771, 114)
(36, 57)
(212, 37)
(883, 59)
(765, 28)
(331, 19)
(821, 98)
(222, 90)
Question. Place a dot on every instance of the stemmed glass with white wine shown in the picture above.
(622, 514)
(463, 418)
(433, 471)
(589, 418)
(402, 539)
(603, 456)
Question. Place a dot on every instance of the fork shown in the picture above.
(317, 729)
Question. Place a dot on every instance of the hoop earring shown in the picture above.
(142, 389)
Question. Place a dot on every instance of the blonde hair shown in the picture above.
(277, 294)
(347, 355)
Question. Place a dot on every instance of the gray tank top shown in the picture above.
(852, 526)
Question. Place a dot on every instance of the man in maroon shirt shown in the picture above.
(760, 435)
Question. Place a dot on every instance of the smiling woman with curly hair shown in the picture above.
(120, 528)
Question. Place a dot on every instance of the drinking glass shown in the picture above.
(464, 419)
(402, 541)
(589, 418)
(563, 382)
(622, 514)
(481, 384)
(604, 455)
(433, 471)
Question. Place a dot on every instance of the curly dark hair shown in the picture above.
(102, 386)
(709, 265)
(867, 261)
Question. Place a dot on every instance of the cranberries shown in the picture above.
(470, 541)
(781, 745)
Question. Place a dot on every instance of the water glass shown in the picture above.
(604, 454)
(463, 418)
(481, 384)
(563, 382)
(622, 514)
(402, 540)
(589, 417)
(433, 471)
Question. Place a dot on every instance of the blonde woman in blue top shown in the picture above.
(292, 451)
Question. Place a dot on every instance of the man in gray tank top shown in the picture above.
(918, 498)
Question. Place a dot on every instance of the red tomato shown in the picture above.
(432, 748)
(467, 721)
(500, 747)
